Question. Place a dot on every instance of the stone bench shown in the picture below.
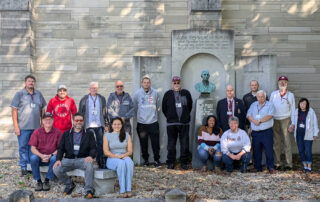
(103, 180)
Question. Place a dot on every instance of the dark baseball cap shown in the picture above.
(47, 114)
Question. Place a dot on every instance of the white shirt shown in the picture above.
(235, 142)
(283, 106)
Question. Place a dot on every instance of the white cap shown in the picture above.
(62, 87)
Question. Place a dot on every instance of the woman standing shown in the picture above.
(117, 145)
(305, 127)
(209, 143)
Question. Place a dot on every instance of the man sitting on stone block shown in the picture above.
(44, 143)
(78, 146)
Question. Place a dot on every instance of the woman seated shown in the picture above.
(117, 145)
(305, 128)
(209, 143)
(235, 146)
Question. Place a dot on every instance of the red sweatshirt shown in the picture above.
(62, 111)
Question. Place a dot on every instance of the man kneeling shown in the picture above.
(44, 143)
(78, 146)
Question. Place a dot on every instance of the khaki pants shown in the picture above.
(282, 142)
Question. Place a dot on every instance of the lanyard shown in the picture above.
(261, 107)
(77, 140)
(302, 117)
(31, 97)
(94, 101)
(120, 98)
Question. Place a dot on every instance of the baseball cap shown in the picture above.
(47, 114)
(175, 78)
(62, 87)
(283, 78)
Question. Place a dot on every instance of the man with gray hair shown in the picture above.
(260, 115)
(230, 107)
(284, 106)
(94, 108)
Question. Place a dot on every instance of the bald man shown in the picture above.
(230, 107)
(121, 105)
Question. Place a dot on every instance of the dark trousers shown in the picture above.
(173, 132)
(245, 160)
(260, 140)
(149, 130)
(99, 131)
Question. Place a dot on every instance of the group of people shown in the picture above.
(268, 123)
(64, 138)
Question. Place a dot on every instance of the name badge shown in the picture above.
(258, 116)
(126, 102)
(33, 105)
(94, 112)
(178, 105)
(301, 125)
(76, 147)
(229, 113)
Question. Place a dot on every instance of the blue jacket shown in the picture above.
(116, 108)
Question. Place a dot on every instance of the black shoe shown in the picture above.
(170, 166)
(278, 167)
(68, 190)
(24, 172)
(46, 186)
(287, 168)
(157, 164)
(184, 166)
(39, 186)
(146, 163)
(102, 165)
(88, 195)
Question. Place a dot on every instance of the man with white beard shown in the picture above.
(284, 106)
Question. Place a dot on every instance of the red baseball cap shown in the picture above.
(283, 78)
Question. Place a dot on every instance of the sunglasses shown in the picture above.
(77, 121)
(176, 82)
(119, 86)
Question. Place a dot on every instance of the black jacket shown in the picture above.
(103, 109)
(239, 111)
(87, 145)
(169, 106)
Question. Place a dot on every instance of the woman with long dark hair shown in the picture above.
(117, 145)
(305, 127)
(209, 143)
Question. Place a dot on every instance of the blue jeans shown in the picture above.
(124, 168)
(204, 156)
(24, 148)
(305, 149)
(245, 160)
(36, 163)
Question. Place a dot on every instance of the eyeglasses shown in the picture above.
(77, 121)
(176, 82)
(119, 86)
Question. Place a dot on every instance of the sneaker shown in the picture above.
(287, 168)
(146, 163)
(184, 166)
(272, 171)
(39, 186)
(68, 190)
(157, 164)
(88, 195)
(170, 166)
(46, 186)
(24, 172)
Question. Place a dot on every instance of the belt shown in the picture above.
(260, 131)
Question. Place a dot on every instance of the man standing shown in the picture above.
(44, 143)
(63, 108)
(94, 108)
(78, 148)
(27, 108)
(120, 104)
(176, 106)
(251, 97)
(260, 115)
(284, 105)
(147, 104)
(230, 107)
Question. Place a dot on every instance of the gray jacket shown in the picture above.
(146, 105)
(83, 108)
(116, 108)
